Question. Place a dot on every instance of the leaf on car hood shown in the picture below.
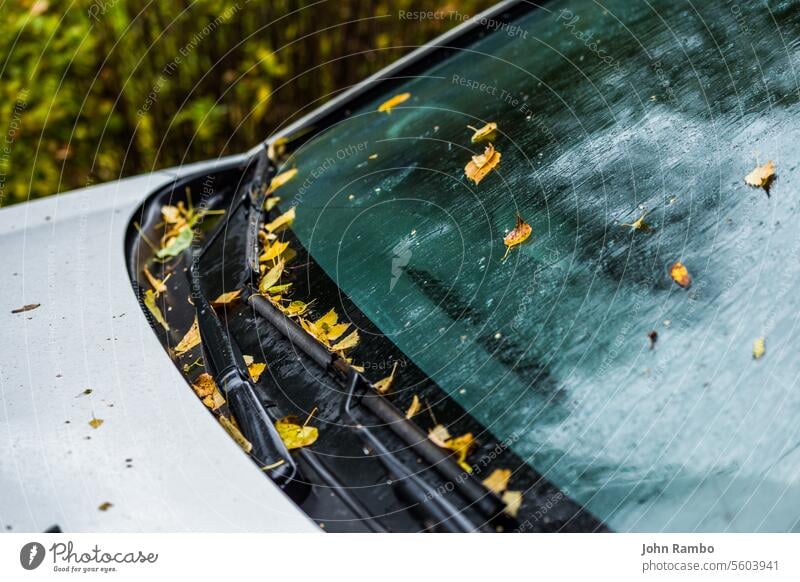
(479, 166)
(759, 348)
(150, 303)
(281, 179)
(189, 340)
(484, 132)
(680, 274)
(284, 219)
(96, 422)
(24, 308)
(498, 480)
(294, 435)
(517, 236)
(384, 384)
(389, 104)
(177, 244)
(513, 501)
(761, 176)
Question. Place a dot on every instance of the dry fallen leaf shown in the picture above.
(461, 446)
(350, 341)
(296, 436)
(762, 176)
(157, 284)
(256, 369)
(271, 202)
(189, 340)
(25, 308)
(638, 224)
(680, 274)
(296, 308)
(415, 407)
(206, 389)
(105, 506)
(281, 179)
(480, 165)
(759, 348)
(96, 422)
(439, 435)
(387, 106)
(233, 430)
(171, 214)
(150, 303)
(383, 385)
(226, 298)
(513, 501)
(517, 236)
(272, 277)
(484, 132)
(274, 251)
(284, 219)
(498, 480)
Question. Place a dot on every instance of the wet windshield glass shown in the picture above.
(604, 113)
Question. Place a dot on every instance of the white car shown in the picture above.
(531, 277)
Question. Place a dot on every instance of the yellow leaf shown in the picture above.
(281, 179)
(226, 298)
(190, 340)
(761, 176)
(272, 277)
(256, 369)
(171, 214)
(270, 202)
(284, 219)
(350, 341)
(483, 132)
(384, 384)
(439, 435)
(415, 407)
(759, 348)
(461, 446)
(638, 224)
(206, 389)
(513, 501)
(387, 106)
(235, 433)
(498, 480)
(95, 422)
(296, 308)
(327, 320)
(295, 436)
(274, 251)
(334, 331)
(279, 289)
(150, 303)
(157, 284)
(517, 236)
(480, 165)
(680, 274)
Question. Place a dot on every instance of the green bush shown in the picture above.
(94, 91)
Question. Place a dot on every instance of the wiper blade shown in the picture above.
(256, 196)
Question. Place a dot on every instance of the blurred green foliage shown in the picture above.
(96, 90)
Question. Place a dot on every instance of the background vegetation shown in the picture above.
(94, 91)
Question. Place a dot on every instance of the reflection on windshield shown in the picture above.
(604, 114)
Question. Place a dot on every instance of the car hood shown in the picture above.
(158, 458)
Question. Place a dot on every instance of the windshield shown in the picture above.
(639, 398)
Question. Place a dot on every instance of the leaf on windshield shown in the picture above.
(762, 176)
(638, 224)
(294, 435)
(388, 105)
(206, 389)
(273, 251)
(272, 276)
(480, 165)
(498, 480)
(226, 298)
(759, 348)
(157, 284)
(96, 422)
(150, 303)
(177, 244)
(680, 274)
(415, 407)
(383, 385)
(484, 132)
(350, 341)
(517, 236)
(284, 219)
(281, 179)
(189, 340)
(230, 427)
(513, 501)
